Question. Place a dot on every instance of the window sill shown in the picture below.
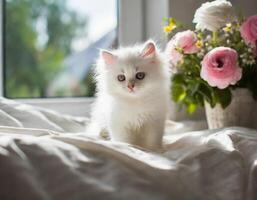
(71, 106)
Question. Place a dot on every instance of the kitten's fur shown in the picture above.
(135, 117)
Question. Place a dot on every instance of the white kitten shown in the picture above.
(133, 95)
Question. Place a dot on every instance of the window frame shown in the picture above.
(141, 17)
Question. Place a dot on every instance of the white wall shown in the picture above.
(248, 7)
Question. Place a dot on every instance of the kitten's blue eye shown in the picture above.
(121, 77)
(140, 75)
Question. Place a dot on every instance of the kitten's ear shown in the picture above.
(149, 50)
(108, 57)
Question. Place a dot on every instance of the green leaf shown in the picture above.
(224, 97)
(193, 87)
(178, 78)
(191, 108)
(178, 92)
(206, 92)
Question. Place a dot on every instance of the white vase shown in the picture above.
(241, 111)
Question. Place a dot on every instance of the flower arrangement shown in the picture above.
(217, 57)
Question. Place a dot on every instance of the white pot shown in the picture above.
(241, 112)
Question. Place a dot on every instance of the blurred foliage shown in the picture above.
(89, 83)
(30, 64)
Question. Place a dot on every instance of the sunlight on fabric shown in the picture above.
(222, 141)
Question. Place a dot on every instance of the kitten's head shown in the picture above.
(131, 72)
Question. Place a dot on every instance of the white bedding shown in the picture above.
(44, 155)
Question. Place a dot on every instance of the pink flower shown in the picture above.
(182, 42)
(173, 55)
(220, 68)
(248, 30)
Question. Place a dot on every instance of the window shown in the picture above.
(25, 77)
(51, 45)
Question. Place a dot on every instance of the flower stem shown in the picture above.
(215, 38)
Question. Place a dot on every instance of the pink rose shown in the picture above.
(173, 55)
(248, 30)
(220, 68)
(183, 41)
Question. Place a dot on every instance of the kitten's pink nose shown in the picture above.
(131, 86)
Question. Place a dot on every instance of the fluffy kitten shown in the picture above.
(133, 95)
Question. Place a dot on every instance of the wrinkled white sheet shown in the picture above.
(44, 155)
